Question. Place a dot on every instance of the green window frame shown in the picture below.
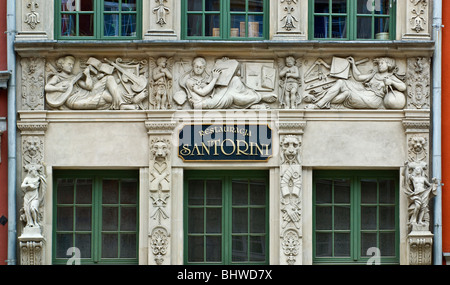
(349, 19)
(96, 212)
(98, 19)
(354, 211)
(225, 19)
(226, 218)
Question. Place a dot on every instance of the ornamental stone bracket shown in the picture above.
(34, 186)
(291, 190)
(160, 189)
(418, 189)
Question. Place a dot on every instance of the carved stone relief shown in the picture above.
(418, 81)
(418, 19)
(97, 85)
(161, 83)
(161, 12)
(290, 82)
(33, 83)
(32, 18)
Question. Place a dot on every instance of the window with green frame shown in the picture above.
(355, 211)
(98, 19)
(226, 217)
(96, 216)
(352, 19)
(225, 19)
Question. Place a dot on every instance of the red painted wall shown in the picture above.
(446, 126)
(4, 141)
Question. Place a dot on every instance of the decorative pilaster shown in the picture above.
(160, 186)
(290, 19)
(34, 186)
(33, 83)
(419, 190)
(161, 20)
(418, 20)
(291, 191)
(32, 26)
(418, 83)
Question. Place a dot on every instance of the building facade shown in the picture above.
(224, 132)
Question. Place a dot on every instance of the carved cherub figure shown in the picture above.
(162, 82)
(290, 83)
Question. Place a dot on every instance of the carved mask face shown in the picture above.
(160, 150)
(290, 147)
(418, 144)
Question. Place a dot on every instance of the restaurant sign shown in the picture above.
(217, 142)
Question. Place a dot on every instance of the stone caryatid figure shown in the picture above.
(419, 191)
(33, 187)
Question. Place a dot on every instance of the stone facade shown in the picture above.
(332, 105)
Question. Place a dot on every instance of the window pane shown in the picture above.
(84, 191)
(214, 248)
(240, 220)
(239, 251)
(340, 6)
(111, 5)
(341, 244)
(365, 7)
(195, 5)
(111, 25)
(342, 191)
(255, 5)
(196, 192)
(321, 29)
(64, 219)
(83, 243)
(237, 5)
(387, 218)
(321, 6)
(387, 191)
(213, 192)
(368, 240)
(364, 28)
(339, 27)
(323, 244)
(257, 248)
(63, 242)
(128, 193)
(68, 25)
(194, 25)
(196, 220)
(110, 245)
(324, 218)
(323, 191)
(128, 5)
(237, 26)
(212, 5)
(128, 219)
(195, 249)
(86, 25)
(65, 191)
(369, 191)
(368, 218)
(128, 246)
(110, 194)
(212, 25)
(257, 192)
(128, 25)
(213, 220)
(257, 220)
(387, 244)
(110, 218)
(255, 26)
(83, 219)
(342, 218)
(68, 5)
(240, 192)
(382, 28)
(86, 5)
(383, 8)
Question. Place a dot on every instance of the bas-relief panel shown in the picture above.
(172, 83)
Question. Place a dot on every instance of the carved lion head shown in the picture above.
(290, 146)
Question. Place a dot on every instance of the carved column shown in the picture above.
(33, 186)
(419, 190)
(162, 16)
(160, 186)
(418, 19)
(291, 191)
(33, 82)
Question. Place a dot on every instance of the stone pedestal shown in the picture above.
(420, 245)
(31, 244)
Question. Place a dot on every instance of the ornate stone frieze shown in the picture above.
(95, 84)
(33, 83)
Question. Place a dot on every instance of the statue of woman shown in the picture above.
(33, 187)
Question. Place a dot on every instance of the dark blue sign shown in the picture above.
(225, 142)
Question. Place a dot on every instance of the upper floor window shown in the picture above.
(225, 19)
(98, 19)
(352, 19)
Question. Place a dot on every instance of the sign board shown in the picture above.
(223, 142)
